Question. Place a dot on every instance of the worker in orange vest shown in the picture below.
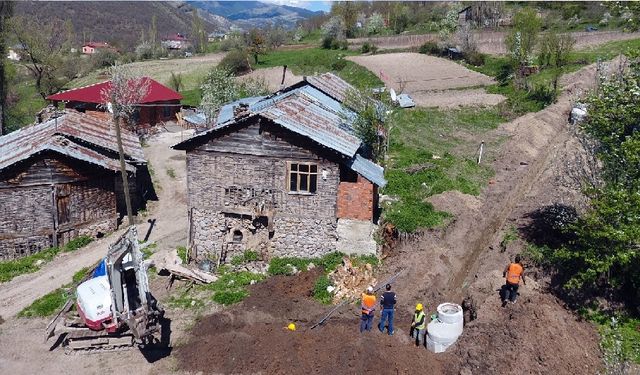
(513, 273)
(368, 308)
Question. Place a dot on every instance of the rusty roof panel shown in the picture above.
(310, 114)
(74, 126)
(331, 85)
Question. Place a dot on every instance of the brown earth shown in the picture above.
(272, 77)
(430, 81)
(538, 335)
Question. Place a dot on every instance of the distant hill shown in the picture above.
(120, 23)
(255, 13)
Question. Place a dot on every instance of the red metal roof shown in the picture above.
(93, 93)
(97, 45)
(75, 134)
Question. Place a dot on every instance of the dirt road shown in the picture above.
(170, 231)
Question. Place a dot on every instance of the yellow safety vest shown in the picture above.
(416, 319)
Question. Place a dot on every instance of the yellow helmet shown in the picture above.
(419, 307)
(291, 327)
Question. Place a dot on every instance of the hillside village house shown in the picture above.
(284, 175)
(60, 179)
(175, 42)
(93, 47)
(160, 104)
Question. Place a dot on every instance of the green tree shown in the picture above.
(198, 33)
(256, 44)
(523, 37)
(348, 12)
(607, 245)
(6, 10)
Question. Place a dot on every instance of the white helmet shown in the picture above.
(370, 289)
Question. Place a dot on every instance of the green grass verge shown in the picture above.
(29, 264)
(52, 302)
(451, 136)
(248, 256)
(191, 97)
(619, 333)
(312, 61)
(29, 102)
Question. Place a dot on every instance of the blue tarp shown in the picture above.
(101, 270)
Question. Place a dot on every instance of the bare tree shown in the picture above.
(46, 50)
(123, 96)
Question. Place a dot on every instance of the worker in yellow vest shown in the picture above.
(419, 325)
(368, 308)
(514, 272)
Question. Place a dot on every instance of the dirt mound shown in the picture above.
(533, 335)
(251, 338)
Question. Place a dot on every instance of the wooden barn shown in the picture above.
(159, 105)
(60, 179)
(283, 175)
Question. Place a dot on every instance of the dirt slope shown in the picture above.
(538, 334)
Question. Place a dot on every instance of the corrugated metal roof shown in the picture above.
(368, 169)
(83, 131)
(94, 93)
(314, 115)
(331, 84)
(312, 110)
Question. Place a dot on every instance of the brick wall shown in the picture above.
(356, 200)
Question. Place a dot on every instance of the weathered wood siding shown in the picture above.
(52, 199)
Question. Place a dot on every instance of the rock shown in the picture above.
(310, 266)
(39, 262)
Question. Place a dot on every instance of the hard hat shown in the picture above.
(419, 307)
(291, 327)
(370, 289)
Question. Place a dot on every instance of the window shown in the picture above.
(303, 178)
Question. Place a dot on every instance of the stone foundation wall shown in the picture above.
(291, 237)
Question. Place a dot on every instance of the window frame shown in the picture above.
(298, 173)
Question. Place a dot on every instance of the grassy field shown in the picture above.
(308, 61)
(32, 263)
(432, 151)
(521, 101)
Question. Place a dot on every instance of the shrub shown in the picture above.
(475, 58)
(237, 62)
(544, 94)
(369, 47)
(320, 292)
(430, 48)
(338, 65)
(229, 297)
(231, 44)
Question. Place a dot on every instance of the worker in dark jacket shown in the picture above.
(388, 303)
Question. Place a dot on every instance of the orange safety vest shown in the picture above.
(368, 303)
(513, 273)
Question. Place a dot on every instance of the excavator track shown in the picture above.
(86, 341)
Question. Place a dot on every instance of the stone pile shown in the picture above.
(350, 281)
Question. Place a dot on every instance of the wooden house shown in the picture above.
(160, 104)
(284, 175)
(60, 179)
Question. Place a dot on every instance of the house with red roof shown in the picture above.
(93, 47)
(159, 105)
(175, 41)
